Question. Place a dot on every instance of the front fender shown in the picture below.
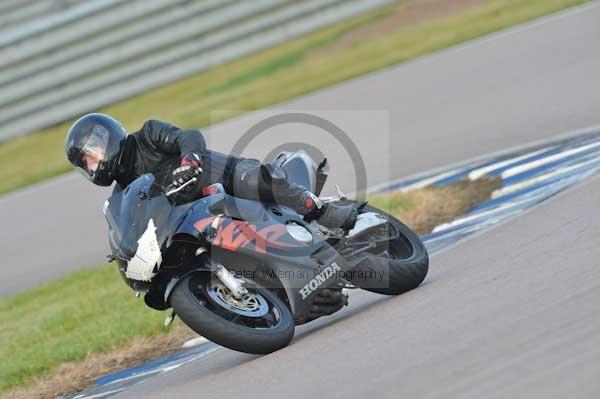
(175, 280)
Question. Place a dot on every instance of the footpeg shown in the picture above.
(169, 319)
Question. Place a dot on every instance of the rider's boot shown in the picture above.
(338, 216)
(331, 215)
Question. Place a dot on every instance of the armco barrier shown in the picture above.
(48, 87)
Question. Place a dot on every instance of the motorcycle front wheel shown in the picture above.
(258, 323)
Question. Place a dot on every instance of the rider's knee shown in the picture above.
(273, 174)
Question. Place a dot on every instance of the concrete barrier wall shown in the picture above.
(118, 51)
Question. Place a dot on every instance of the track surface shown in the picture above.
(525, 84)
(509, 313)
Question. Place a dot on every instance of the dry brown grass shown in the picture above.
(426, 208)
(437, 205)
(76, 376)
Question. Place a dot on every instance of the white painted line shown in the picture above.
(429, 181)
(540, 162)
(169, 366)
(477, 173)
(540, 179)
(100, 395)
(486, 214)
(194, 342)
(464, 232)
(472, 162)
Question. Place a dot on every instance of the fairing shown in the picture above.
(258, 232)
(244, 229)
(128, 212)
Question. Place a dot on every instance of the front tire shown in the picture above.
(244, 331)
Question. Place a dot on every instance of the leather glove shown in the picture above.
(190, 168)
(193, 159)
(183, 174)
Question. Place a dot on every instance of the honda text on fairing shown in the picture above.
(243, 273)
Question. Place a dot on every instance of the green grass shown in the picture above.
(270, 77)
(394, 204)
(89, 311)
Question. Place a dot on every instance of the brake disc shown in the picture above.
(250, 304)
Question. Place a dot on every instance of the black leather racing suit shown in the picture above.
(158, 146)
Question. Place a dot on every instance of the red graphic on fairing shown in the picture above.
(233, 234)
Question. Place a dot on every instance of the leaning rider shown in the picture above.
(98, 146)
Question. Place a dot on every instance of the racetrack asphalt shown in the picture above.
(528, 83)
(509, 313)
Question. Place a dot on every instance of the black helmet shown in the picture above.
(93, 146)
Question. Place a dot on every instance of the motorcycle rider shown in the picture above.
(98, 146)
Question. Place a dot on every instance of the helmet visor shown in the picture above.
(93, 152)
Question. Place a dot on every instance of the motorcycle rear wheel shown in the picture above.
(259, 324)
(397, 267)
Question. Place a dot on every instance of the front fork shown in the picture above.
(234, 284)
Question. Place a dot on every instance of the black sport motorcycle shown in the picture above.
(243, 273)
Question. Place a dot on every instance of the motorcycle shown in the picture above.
(243, 273)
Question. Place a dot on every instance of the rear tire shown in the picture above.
(404, 269)
(196, 309)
